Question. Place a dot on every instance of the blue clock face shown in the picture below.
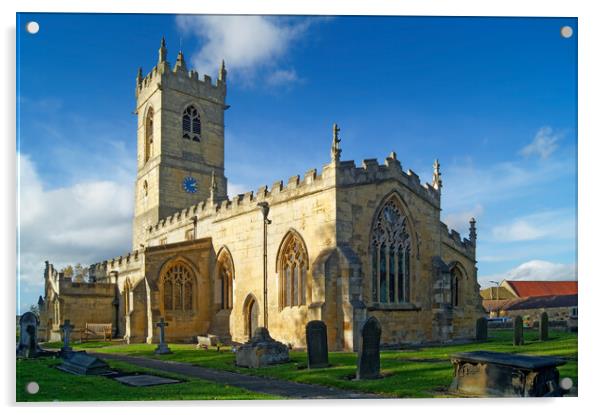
(189, 185)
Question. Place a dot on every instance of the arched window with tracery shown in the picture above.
(191, 124)
(225, 274)
(148, 135)
(390, 246)
(178, 287)
(293, 271)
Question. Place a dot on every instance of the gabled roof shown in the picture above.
(549, 301)
(541, 288)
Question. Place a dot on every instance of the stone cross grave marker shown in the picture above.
(317, 344)
(66, 328)
(368, 355)
(543, 326)
(162, 347)
(28, 330)
(481, 329)
(518, 339)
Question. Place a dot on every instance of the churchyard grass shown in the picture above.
(412, 372)
(56, 385)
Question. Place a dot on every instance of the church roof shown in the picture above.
(541, 288)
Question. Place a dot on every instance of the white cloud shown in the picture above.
(247, 43)
(282, 77)
(236, 189)
(556, 224)
(535, 270)
(543, 145)
(460, 220)
(86, 222)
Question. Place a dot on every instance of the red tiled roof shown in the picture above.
(543, 288)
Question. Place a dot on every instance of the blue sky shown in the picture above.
(493, 98)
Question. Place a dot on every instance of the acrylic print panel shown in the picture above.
(395, 193)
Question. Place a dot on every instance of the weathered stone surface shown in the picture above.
(162, 347)
(481, 329)
(484, 373)
(145, 380)
(543, 326)
(66, 329)
(261, 351)
(28, 342)
(317, 344)
(208, 340)
(81, 363)
(518, 338)
(368, 355)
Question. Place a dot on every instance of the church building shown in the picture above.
(338, 244)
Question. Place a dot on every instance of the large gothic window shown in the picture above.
(390, 255)
(148, 135)
(191, 124)
(178, 288)
(226, 279)
(293, 271)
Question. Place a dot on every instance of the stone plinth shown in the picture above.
(484, 373)
(261, 351)
(208, 340)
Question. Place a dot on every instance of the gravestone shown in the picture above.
(145, 380)
(518, 338)
(81, 363)
(28, 341)
(66, 328)
(317, 344)
(543, 326)
(162, 347)
(261, 351)
(481, 329)
(368, 355)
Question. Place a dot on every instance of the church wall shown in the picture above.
(303, 204)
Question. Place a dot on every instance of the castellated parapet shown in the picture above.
(341, 174)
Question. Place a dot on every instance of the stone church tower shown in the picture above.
(180, 141)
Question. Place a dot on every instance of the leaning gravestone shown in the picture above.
(162, 347)
(518, 338)
(543, 326)
(368, 355)
(28, 330)
(317, 344)
(481, 329)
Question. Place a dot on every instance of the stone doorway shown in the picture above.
(251, 312)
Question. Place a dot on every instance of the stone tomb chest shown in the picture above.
(483, 373)
(81, 363)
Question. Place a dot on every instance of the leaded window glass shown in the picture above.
(293, 272)
(178, 286)
(191, 124)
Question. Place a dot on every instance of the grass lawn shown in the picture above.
(56, 385)
(422, 372)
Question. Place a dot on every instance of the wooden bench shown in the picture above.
(104, 330)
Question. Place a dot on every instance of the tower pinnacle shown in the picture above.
(335, 148)
(163, 51)
(221, 76)
(437, 182)
(473, 231)
(180, 62)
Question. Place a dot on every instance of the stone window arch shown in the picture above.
(456, 278)
(191, 124)
(390, 248)
(225, 275)
(148, 134)
(293, 264)
(178, 288)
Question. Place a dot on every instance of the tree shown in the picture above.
(80, 273)
(68, 271)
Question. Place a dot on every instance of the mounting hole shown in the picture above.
(32, 388)
(566, 383)
(32, 27)
(566, 32)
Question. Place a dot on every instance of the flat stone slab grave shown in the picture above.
(483, 373)
(145, 380)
